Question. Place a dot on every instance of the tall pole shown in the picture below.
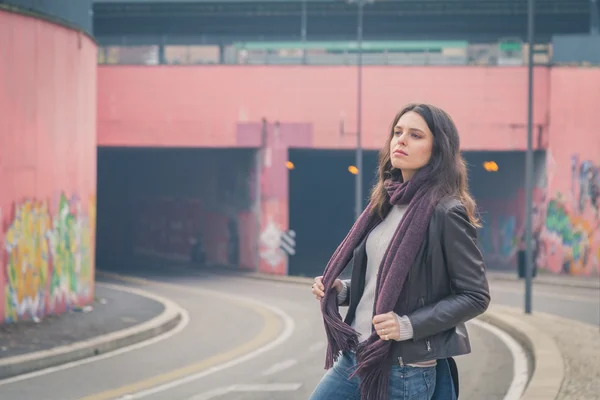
(303, 31)
(529, 163)
(594, 18)
(359, 158)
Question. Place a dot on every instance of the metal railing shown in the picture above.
(295, 54)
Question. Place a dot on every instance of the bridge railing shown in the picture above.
(508, 52)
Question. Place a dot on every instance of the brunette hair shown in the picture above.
(448, 167)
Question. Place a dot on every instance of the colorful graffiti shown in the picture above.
(501, 236)
(566, 225)
(570, 238)
(28, 260)
(49, 258)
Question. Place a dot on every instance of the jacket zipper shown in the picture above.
(427, 297)
(427, 342)
(400, 361)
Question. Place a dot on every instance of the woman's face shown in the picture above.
(411, 144)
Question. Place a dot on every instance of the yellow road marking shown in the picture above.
(272, 327)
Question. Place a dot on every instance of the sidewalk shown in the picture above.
(546, 278)
(118, 317)
(565, 365)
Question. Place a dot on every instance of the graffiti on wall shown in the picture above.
(570, 238)
(503, 228)
(498, 238)
(566, 225)
(273, 260)
(49, 258)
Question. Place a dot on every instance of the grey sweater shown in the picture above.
(377, 244)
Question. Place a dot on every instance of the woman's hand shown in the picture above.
(387, 326)
(318, 289)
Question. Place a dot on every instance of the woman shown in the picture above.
(417, 273)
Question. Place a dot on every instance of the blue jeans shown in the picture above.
(444, 383)
(405, 383)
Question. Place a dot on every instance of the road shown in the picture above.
(205, 359)
(569, 302)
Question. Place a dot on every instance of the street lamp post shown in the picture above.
(303, 30)
(529, 162)
(359, 156)
(594, 18)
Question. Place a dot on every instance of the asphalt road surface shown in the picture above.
(232, 348)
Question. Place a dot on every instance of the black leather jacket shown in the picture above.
(447, 287)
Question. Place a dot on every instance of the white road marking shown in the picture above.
(289, 327)
(275, 368)
(183, 322)
(272, 387)
(520, 368)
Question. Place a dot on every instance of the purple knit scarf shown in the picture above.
(372, 354)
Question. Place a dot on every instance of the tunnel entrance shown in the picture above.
(322, 203)
(177, 204)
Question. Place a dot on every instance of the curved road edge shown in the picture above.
(278, 328)
(520, 356)
(546, 369)
(171, 317)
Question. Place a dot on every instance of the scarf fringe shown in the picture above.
(374, 385)
(340, 336)
(373, 368)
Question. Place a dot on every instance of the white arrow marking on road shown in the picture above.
(275, 368)
(273, 387)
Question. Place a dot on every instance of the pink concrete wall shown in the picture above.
(211, 106)
(570, 237)
(47, 167)
(201, 106)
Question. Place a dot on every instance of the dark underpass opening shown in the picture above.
(175, 204)
(197, 205)
(321, 203)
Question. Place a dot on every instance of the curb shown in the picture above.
(547, 371)
(167, 320)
